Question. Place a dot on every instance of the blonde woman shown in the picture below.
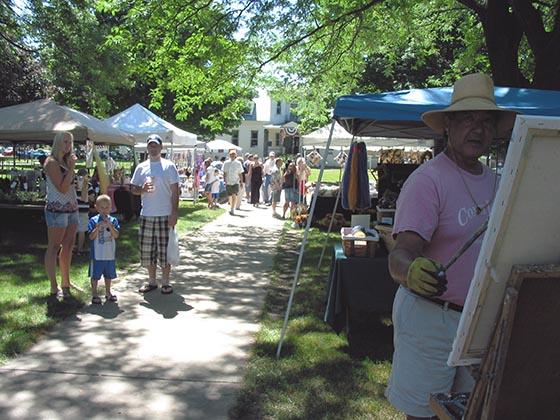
(61, 211)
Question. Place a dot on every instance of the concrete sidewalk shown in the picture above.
(178, 356)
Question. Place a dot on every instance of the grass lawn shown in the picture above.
(24, 312)
(330, 175)
(317, 375)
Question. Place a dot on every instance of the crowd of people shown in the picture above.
(256, 181)
(76, 209)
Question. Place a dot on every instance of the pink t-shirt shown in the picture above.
(436, 204)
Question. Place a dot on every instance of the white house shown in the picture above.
(269, 126)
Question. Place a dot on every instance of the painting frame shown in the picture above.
(522, 230)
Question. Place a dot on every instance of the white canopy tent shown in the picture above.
(39, 121)
(141, 122)
(221, 145)
(342, 138)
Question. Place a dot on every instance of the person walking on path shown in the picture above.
(441, 205)
(156, 180)
(232, 177)
(290, 189)
(61, 211)
(210, 180)
(276, 185)
(268, 167)
(241, 185)
(256, 174)
(103, 231)
(246, 167)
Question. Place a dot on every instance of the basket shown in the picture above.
(357, 247)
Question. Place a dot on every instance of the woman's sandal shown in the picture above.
(110, 298)
(96, 300)
(166, 289)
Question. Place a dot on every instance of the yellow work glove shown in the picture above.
(423, 277)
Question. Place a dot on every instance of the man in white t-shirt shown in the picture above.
(268, 167)
(233, 170)
(157, 181)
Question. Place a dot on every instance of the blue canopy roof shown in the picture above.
(398, 114)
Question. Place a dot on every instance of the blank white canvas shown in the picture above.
(524, 228)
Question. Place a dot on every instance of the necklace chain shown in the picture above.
(478, 208)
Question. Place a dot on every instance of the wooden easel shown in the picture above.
(520, 375)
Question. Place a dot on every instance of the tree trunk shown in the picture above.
(503, 35)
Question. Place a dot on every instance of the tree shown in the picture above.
(188, 52)
(332, 47)
(517, 30)
(199, 61)
(22, 79)
(70, 36)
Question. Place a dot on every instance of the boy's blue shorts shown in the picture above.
(105, 268)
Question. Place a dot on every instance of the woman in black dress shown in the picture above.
(256, 174)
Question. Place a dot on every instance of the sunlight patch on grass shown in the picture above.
(316, 376)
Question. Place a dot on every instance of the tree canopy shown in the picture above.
(200, 61)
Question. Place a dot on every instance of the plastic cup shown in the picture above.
(151, 183)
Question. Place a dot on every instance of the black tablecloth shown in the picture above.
(361, 284)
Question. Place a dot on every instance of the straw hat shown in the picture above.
(473, 92)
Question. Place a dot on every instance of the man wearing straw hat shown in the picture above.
(442, 204)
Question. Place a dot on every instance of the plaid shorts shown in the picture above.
(154, 236)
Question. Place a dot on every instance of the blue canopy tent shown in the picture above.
(399, 115)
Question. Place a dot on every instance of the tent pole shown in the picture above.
(302, 248)
(330, 225)
(194, 176)
(334, 209)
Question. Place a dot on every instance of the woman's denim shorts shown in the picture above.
(61, 220)
(290, 195)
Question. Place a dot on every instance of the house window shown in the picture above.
(254, 138)
(277, 139)
(278, 107)
(267, 138)
(235, 137)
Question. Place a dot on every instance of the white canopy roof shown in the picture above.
(40, 120)
(341, 137)
(220, 144)
(141, 122)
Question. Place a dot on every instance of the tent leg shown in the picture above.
(302, 248)
(330, 225)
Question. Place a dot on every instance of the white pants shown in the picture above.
(423, 337)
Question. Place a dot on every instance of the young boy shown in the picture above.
(215, 189)
(103, 230)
